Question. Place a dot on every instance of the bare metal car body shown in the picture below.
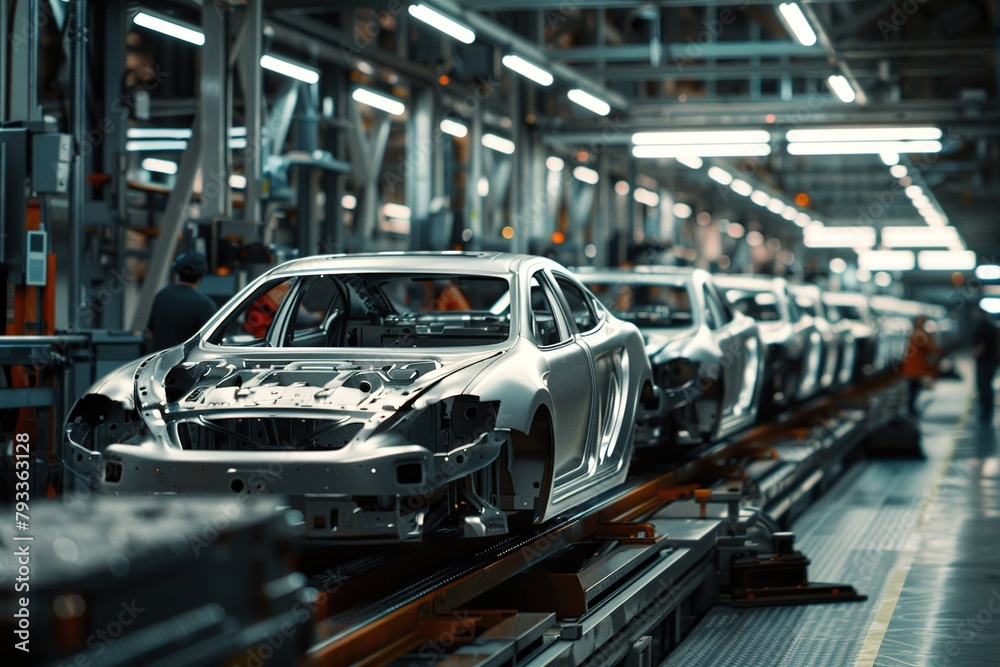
(852, 309)
(793, 345)
(839, 347)
(382, 419)
(703, 353)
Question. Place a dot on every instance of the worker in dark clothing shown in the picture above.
(180, 310)
(986, 350)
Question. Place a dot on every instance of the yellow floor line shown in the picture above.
(897, 578)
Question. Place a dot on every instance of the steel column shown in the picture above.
(248, 61)
(171, 224)
(215, 111)
(307, 140)
(367, 153)
(77, 193)
(474, 209)
(419, 165)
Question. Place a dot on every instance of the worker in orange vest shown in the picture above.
(921, 362)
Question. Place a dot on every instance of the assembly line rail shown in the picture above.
(649, 556)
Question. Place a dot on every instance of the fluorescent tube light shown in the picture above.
(680, 138)
(913, 191)
(349, 202)
(946, 260)
(841, 87)
(159, 133)
(690, 161)
(498, 143)
(853, 134)
(156, 145)
(760, 198)
(681, 210)
(918, 237)
(445, 24)
(741, 187)
(553, 163)
(589, 102)
(839, 237)
(775, 205)
(838, 265)
(289, 69)
(701, 150)
(391, 105)
(802, 220)
(898, 171)
(237, 181)
(454, 128)
(170, 28)
(862, 147)
(797, 23)
(886, 260)
(720, 175)
(159, 166)
(647, 197)
(586, 174)
(889, 159)
(530, 70)
(397, 211)
(789, 213)
(988, 272)
(990, 304)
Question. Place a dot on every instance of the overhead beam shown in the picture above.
(738, 72)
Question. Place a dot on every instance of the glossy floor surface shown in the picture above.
(920, 538)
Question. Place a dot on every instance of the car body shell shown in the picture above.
(839, 347)
(792, 342)
(715, 359)
(415, 421)
(852, 309)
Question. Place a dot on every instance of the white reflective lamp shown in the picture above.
(553, 163)
(349, 202)
(817, 236)
(862, 147)
(289, 69)
(156, 165)
(442, 23)
(589, 102)
(691, 162)
(170, 28)
(681, 210)
(789, 213)
(237, 181)
(802, 220)
(776, 206)
(837, 265)
(760, 198)
(946, 260)
(586, 175)
(720, 176)
(454, 128)
(497, 143)
(646, 197)
(741, 187)
(898, 171)
(398, 211)
(887, 260)
(988, 272)
(842, 88)
(391, 105)
(990, 304)
(797, 23)
(889, 158)
(527, 69)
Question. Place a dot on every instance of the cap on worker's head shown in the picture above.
(191, 266)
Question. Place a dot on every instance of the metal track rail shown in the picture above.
(377, 609)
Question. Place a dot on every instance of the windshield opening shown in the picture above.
(646, 305)
(371, 310)
(761, 306)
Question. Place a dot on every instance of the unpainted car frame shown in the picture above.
(709, 366)
(380, 443)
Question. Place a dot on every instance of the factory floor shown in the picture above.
(921, 538)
